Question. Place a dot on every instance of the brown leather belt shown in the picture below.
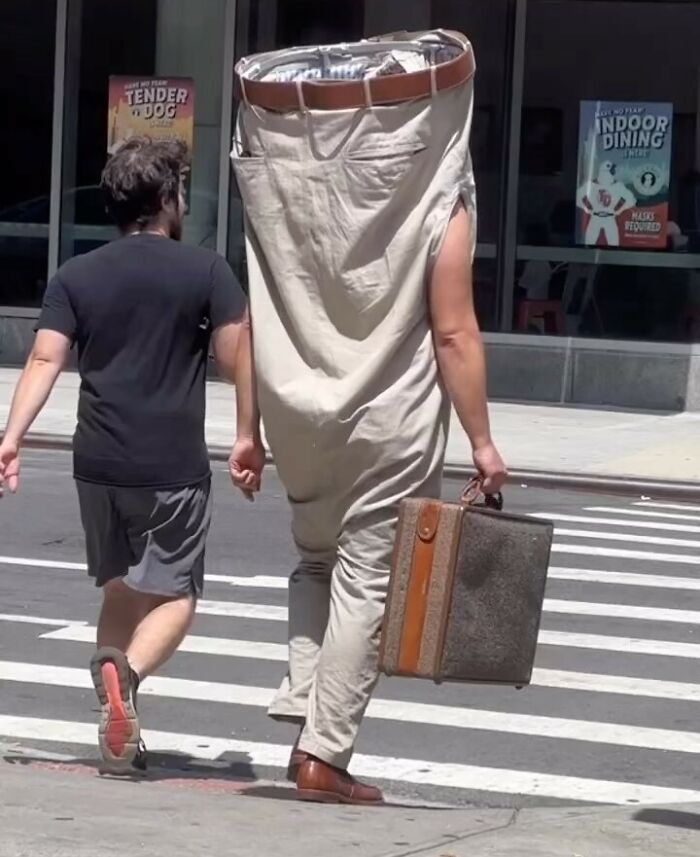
(352, 94)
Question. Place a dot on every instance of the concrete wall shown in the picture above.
(645, 376)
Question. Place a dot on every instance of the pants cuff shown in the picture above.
(313, 748)
(286, 714)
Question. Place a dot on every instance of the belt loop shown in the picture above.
(244, 94)
(300, 95)
(368, 92)
(433, 72)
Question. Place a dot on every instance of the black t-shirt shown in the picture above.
(141, 311)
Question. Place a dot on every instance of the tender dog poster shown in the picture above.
(159, 108)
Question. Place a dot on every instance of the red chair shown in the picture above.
(550, 312)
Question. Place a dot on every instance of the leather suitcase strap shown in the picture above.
(419, 584)
(352, 94)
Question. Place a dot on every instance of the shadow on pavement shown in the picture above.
(236, 776)
(669, 818)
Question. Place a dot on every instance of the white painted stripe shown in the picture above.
(264, 581)
(627, 537)
(256, 581)
(193, 644)
(273, 613)
(624, 553)
(541, 677)
(597, 642)
(680, 507)
(623, 685)
(394, 710)
(242, 611)
(260, 581)
(415, 771)
(671, 516)
(623, 578)
(278, 652)
(622, 611)
(617, 522)
(39, 620)
(42, 563)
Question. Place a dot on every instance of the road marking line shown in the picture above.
(624, 553)
(40, 620)
(597, 642)
(273, 613)
(641, 513)
(241, 610)
(193, 644)
(622, 611)
(627, 537)
(680, 507)
(269, 581)
(616, 522)
(623, 578)
(254, 581)
(42, 563)
(415, 771)
(223, 646)
(649, 738)
(621, 685)
(262, 581)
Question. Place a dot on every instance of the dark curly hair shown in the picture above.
(141, 177)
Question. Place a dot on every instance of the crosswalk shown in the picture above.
(611, 717)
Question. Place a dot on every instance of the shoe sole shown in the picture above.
(317, 796)
(119, 731)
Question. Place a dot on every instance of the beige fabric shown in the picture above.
(346, 211)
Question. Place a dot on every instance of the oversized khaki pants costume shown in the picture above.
(346, 211)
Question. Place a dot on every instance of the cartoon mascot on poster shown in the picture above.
(604, 199)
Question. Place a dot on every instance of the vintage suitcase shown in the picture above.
(466, 592)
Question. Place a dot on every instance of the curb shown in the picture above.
(625, 486)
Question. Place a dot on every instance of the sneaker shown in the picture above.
(116, 684)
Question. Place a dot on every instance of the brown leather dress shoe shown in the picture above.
(296, 760)
(320, 782)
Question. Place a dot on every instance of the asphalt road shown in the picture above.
(612, 716)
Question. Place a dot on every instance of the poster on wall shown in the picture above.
(159, 108)
(624, 173)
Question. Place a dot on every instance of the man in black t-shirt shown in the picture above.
(142, 312)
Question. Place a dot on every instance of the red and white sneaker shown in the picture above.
(116, 684)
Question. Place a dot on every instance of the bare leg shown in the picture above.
(121, 612)
(147, 628)
(136, 634)
(159, 633)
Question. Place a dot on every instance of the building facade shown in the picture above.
(580, 301)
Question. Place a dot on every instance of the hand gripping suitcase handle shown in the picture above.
(474, 490)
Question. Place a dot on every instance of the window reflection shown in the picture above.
(563, 287)
(27, 33)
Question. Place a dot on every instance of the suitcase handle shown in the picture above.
(474, 490)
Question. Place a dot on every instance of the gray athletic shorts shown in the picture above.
(153, 539)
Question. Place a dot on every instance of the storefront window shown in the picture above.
(159, 41)
(609, 192)
(27, 37)
(268, 24)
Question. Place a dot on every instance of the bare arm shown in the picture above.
(247, 411)
(44, 365)
(233, 349)
(45, 362)
(459, 347)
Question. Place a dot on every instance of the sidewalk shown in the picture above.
(585, 442)
(54, 810)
